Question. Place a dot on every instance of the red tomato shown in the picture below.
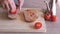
(38, 25)
(13, 12)
(47, 16)
(54, 18)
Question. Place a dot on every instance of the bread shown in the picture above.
(30, 15)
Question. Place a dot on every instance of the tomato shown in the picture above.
(38, 25)
(54, 18)
(13, 12)
(47, 16)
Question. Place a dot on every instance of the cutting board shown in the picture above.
(19, 25)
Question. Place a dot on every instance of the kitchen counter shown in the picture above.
(52, 27)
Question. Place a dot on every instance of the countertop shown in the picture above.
(52, 27)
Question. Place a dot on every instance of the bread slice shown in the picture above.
(30, 15)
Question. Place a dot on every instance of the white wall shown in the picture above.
(58, 2)
(34, 4)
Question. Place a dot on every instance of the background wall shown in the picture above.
(35, 4)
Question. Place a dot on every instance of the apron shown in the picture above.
(21, 4)
(16, 2)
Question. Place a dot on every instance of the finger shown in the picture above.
(3, 5)
(12, 5)
(7, 5)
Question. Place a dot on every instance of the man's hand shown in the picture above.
(10, 5)
(4, 4)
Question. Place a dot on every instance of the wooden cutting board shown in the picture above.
(19, 25)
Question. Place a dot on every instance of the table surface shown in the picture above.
(52, 27)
